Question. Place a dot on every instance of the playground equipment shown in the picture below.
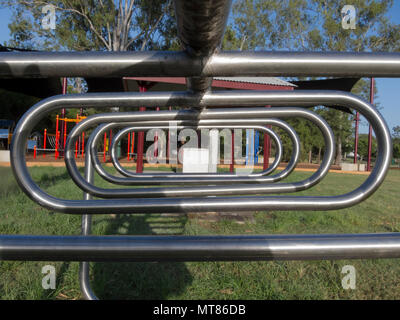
(200, 26)
(55, 141)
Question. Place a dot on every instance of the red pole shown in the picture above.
(65, 133)
(64, 91)
(129, 144)
(356, 137)
(83, 144)
(57, 137)
(55, 154)
(371, 97)
(76, 149)
(109, 142)
(105, 145)
(140, 145)
(44, 143)
(267, 147)
(133, 144)
(34, 152)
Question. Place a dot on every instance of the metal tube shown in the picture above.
(201, 26)
(356, 137)
(84, 279)
(200, 248)
(206, 190)
(172, 177)
(180, 64)
(244, 98)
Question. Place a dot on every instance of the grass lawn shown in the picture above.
(375, 279)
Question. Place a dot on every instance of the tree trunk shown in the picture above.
(319, 155)
(309, 156)
(339, 150)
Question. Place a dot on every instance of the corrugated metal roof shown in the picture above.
(261, 80)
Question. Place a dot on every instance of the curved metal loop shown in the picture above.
(239, 189)
(117, 138)
(199, 178)
(244, 98)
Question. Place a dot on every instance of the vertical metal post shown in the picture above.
(132, 143)
(84, 279)
(129, 145)
(65, 134)
(64, 91)
(140, 144)
(356, 137)
(105, 146)
(56, 151)
(44, 143)
(83, 144)
(109, 142)
(371, 97)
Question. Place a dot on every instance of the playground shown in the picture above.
(376, 279)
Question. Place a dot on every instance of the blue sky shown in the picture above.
(388, 89)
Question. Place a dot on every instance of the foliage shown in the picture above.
(314, 25)
(94, 25)
(396, 142)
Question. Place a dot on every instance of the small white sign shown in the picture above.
(195, 160)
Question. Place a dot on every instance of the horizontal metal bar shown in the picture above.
(180, 64)
(200, 248)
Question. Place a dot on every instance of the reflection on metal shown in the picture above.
(181, 193)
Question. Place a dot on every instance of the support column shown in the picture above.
(267, 148)
(140, 143)
(371, 97)
(356, 137)
(62, 143)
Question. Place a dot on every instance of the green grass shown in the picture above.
(376, 279)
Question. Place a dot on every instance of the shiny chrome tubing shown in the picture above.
(245, 98)
(180, 64)
(200, 248)
(127, 173)
(84, 279)
(205, 190)
(201, 26)
(256, 115)
(136, 179)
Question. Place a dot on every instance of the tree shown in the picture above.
(396, 142)
(94, 25)
(314, 25)
(396, 132)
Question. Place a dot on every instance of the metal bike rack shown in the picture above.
(200, 25)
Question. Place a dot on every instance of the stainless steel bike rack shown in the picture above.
(201, 25)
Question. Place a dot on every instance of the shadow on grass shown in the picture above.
(141, 280)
